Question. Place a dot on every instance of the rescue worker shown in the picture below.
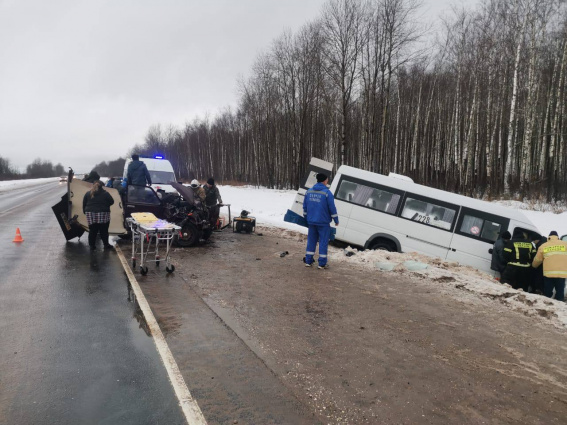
(198, 191)
(137, 172)
(212, 195)
(498, 263)
(110, 182)
(96, 206)
(553, 255)
(319, 209)
(518, 253)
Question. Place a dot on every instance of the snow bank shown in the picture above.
(269, 207)
(17, 184)
(461, 282)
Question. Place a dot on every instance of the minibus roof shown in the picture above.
(430, 192)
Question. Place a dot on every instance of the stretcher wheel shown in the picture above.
(170, 269)
(143, 270)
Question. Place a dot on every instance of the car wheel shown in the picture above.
(188, 235)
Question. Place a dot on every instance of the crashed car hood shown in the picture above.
(185, 192)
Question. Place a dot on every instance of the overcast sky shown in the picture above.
(82, 81)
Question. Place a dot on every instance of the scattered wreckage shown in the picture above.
(181, 209)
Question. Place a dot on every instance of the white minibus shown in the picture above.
(396, 214)
(161, 172)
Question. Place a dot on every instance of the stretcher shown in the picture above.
(147, 232)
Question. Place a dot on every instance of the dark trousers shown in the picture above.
(517, 276)
(214, 212)
(321, 234)
(557, 283)
(94, 229)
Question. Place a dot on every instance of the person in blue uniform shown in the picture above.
(319, 210)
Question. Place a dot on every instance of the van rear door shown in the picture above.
(316, 165)
(475, 234)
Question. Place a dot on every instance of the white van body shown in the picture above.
(161, 172)
(377, 211)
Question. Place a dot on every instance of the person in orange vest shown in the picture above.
(553, 254)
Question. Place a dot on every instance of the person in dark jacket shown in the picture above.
(518, 253)
(96, 206)
(91, 177)
(137, 173)
(212, 195)
(319, 209)
(498, 263)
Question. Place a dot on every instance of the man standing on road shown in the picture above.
(498, 262)
(553, 254)
(212, 195)
(319, 209)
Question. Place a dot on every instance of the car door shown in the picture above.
(142, 199)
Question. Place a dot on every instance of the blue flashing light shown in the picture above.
(158, 157)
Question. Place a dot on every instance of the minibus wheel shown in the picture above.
(383, 245)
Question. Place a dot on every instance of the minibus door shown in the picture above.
(429, 224)
(475, 234)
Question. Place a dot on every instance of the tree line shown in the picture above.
(37, 169)
(481, 111)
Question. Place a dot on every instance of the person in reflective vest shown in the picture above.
(553, 255)
(319, 209)
(518, 253)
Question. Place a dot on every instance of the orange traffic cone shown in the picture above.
(18, 237)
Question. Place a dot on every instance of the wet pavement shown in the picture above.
(72, 349)
(228, 379)
(346, 345)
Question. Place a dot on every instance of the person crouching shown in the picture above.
(96, 206)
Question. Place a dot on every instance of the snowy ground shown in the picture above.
(17, 184)
(269, 207)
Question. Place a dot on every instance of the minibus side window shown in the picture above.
(370, 197)
(491, 230)
(480, 228)
(428, 213)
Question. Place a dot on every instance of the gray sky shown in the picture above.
(82, 81)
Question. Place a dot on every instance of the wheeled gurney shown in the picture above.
(147, 229)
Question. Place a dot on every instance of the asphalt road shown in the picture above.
(72, 350)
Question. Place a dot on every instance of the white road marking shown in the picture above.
(188, 404)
